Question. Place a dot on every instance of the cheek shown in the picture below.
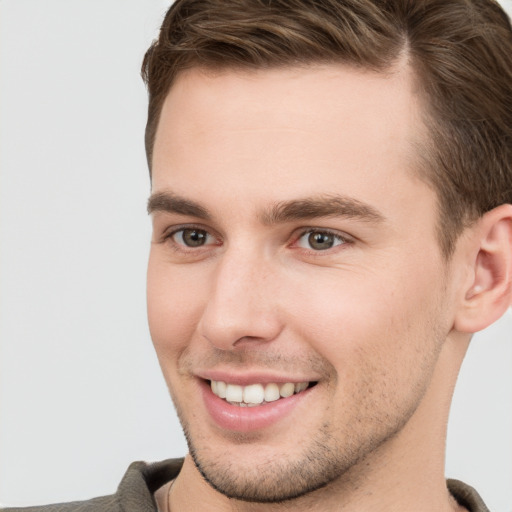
(175, 302)
(353, 317)
(382, 347)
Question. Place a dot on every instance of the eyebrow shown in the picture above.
(172, 203)
(323, 206)
(281, 212)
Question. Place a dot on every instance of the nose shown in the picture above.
(242, 307)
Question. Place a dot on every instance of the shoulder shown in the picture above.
(106, 503)
(466, 496)
(134, 493)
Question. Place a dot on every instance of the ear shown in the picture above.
(488, 293)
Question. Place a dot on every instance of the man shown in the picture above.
(332, 220)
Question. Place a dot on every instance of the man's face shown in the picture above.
(293, 245)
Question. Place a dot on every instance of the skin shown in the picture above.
(372, 320)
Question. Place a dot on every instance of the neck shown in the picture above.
(405, 473)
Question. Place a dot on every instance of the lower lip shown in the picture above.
(248, 419)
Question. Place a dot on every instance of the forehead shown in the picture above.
(353, 103)
(282, 133)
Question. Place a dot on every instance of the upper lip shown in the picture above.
(253, 377)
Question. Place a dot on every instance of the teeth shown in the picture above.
(300, 386)
(221, 389)
(271, 392)
(255, 394)
(234, 393)
(286, 390)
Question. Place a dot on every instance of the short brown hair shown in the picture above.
(460, 50)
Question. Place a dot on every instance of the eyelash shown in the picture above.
(183, 248)
(338, 237)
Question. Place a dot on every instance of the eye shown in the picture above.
(192, 237)
(320, 240)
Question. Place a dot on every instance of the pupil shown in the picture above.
(194, 237)
(321, 241)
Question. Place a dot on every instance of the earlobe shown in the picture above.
(490, 292)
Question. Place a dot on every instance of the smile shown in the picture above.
(256, 394)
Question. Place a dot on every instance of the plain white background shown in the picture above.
(81, 395)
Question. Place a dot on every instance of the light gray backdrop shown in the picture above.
(81, 394)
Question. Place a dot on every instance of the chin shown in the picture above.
(261, 475)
